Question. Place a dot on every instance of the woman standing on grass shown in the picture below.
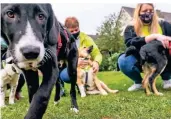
(146, 27)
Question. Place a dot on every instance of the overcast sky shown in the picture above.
(91, 15)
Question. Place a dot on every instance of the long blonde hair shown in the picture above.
(138, 24)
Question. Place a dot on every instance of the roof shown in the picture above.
(94, 37)
(129, 10)
(161, 14)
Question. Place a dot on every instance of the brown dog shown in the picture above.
(87, 81)
(154, 58)
(149, 70)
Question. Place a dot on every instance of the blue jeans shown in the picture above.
(127, 66)
(64, 76)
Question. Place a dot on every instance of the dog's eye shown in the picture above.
(10, 14)
(41, 16)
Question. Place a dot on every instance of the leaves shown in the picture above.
(109, 63)
(110, 34)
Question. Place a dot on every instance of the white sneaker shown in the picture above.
(135, 87)
(167, 84)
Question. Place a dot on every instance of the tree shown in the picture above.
(110, 34)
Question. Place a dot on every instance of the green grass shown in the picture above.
(124, 105)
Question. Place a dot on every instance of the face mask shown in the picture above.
(76, 34)
(146, 18)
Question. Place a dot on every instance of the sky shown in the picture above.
(91, 15)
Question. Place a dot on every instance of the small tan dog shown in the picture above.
(87, 81)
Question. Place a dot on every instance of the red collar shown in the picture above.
(170, 48)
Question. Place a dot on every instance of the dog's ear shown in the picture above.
(52, 27)
(3, 35)
(90, 49)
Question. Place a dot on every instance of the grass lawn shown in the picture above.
(124, 105)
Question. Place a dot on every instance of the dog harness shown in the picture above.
(86, 80)
(86, 69)
(59, 43)
(60, 40)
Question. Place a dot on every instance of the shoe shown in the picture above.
(135, 87)
(62, 93)
(18, 96)
(167, 84)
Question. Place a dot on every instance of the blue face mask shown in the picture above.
(76, 34)
(146, 17)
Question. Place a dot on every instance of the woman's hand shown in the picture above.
(82, 62)
(95, 66)
(151, 37)
(164, 40)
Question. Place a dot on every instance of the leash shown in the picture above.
(170, 48)
(86, 80)
(59, 43)
(10, 60)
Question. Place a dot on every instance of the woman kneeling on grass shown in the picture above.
(146, 27)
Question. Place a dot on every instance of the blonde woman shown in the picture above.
(145, 28)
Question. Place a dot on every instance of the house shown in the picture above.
(126, 15)
(94, 37)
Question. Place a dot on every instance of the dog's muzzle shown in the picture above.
(30, 52)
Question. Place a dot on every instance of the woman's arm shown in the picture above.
(95, 54)
(131, 38)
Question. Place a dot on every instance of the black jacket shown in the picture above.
(132, 39)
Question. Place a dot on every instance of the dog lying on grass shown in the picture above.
(87, 81)
(153, 58)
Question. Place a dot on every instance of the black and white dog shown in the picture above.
(31, 31)
(67, 57)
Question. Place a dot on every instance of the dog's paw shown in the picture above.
(104, 93)
(2, 105)
(115, 91)
(148, 93)
(11, 102)
(83, 95)
(56, 102)
(159, 94)
(74, 110)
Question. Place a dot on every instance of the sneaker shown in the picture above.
(167, 84)
(135, 87)
(62, 93)
(18, 95)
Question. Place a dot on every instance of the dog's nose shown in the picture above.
(30, 52)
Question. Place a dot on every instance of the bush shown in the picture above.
(109, 63)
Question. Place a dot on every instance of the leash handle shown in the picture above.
(170, 48)
(59, 43)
